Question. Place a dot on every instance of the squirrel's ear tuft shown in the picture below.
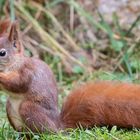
(4, 24)
(14, 37)
(14, 32)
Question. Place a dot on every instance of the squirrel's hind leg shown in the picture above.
(35, 118)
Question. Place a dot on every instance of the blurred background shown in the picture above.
(81, 40)
(80, 37)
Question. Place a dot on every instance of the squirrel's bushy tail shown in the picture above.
(102, 104)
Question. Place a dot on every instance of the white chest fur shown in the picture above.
(14, 111)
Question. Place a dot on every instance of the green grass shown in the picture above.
(97, 133)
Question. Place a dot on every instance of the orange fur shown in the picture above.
(103, 103)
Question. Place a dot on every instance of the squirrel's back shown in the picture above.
(102, 103)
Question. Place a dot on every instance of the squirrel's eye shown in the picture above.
(3, 52)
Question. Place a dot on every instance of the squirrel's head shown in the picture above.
(10, 47)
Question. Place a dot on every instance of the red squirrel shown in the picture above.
(33, 96)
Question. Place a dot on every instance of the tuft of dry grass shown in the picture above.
(83, 37)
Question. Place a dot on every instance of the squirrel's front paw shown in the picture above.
(2, 75)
